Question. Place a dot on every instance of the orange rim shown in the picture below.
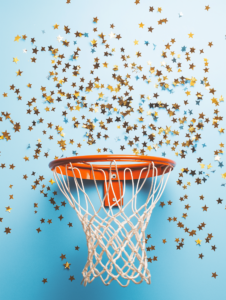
(63, 165)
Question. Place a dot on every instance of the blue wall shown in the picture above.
(26, 256)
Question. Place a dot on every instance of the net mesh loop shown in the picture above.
(116, 242)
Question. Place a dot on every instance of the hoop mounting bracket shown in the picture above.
(110, 197)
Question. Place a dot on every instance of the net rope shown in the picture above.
(117, 236)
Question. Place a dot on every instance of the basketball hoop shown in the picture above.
(115, 239)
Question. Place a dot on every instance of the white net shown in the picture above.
(115, 236)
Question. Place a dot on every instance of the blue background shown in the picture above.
(27, 257)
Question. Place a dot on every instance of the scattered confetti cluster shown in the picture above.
(120, 112)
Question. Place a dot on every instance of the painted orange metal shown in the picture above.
(79, 165)
(117, 186)
(80, 162)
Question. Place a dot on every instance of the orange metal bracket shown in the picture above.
(116, 186)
